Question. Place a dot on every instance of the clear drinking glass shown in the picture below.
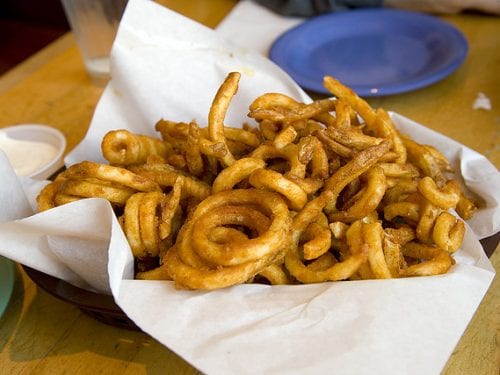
(94, 24)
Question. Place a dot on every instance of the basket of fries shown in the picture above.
(317, 192)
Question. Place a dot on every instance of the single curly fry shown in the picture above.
(272, 100)
(440, 159)
(423, 159)
(346, 94)
(445, 198)
(46, 198)
(60, 199)
(274, 181)
(122, 176)
(333, 145)
(170, 207)
(317, 240)
(338, 271)
(352, 138)
(286, 136)
(269, 129)
(428, 215)
(240, 135)
(289, 112)
(206, 215)
(121, 147)
(192, 152)
(400, 170)
(393, 256)
(93, 188)
(356, 244)
(208, 277)
(218, 111)
(373, 236)
(344, 114)
(311, 152)
(217, 150)
(338, 229)
(309, 185)
(436, 261)
(149, 221)
(166, 175)
(288, 153)
(448, 232)
(384, 128)
(231, 253)
(132, 226)
(158, 273)
(237, 172)
(170, 130)
(466, 207)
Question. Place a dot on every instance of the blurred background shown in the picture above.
(26, 26)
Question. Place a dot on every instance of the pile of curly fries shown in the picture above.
(315, 192)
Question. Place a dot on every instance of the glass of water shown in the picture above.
(94, 24)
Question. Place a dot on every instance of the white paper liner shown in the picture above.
(255, 26)
(165, 65)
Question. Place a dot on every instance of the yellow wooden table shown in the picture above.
(41, 334)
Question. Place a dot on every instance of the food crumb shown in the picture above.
(482, 102)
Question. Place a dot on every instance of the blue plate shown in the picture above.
(374, 51)
(6, 282)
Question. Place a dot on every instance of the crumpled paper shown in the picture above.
(165, 65)
(255, 26)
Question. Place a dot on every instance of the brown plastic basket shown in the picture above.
(101, 307)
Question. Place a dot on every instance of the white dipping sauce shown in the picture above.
(26, 157)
